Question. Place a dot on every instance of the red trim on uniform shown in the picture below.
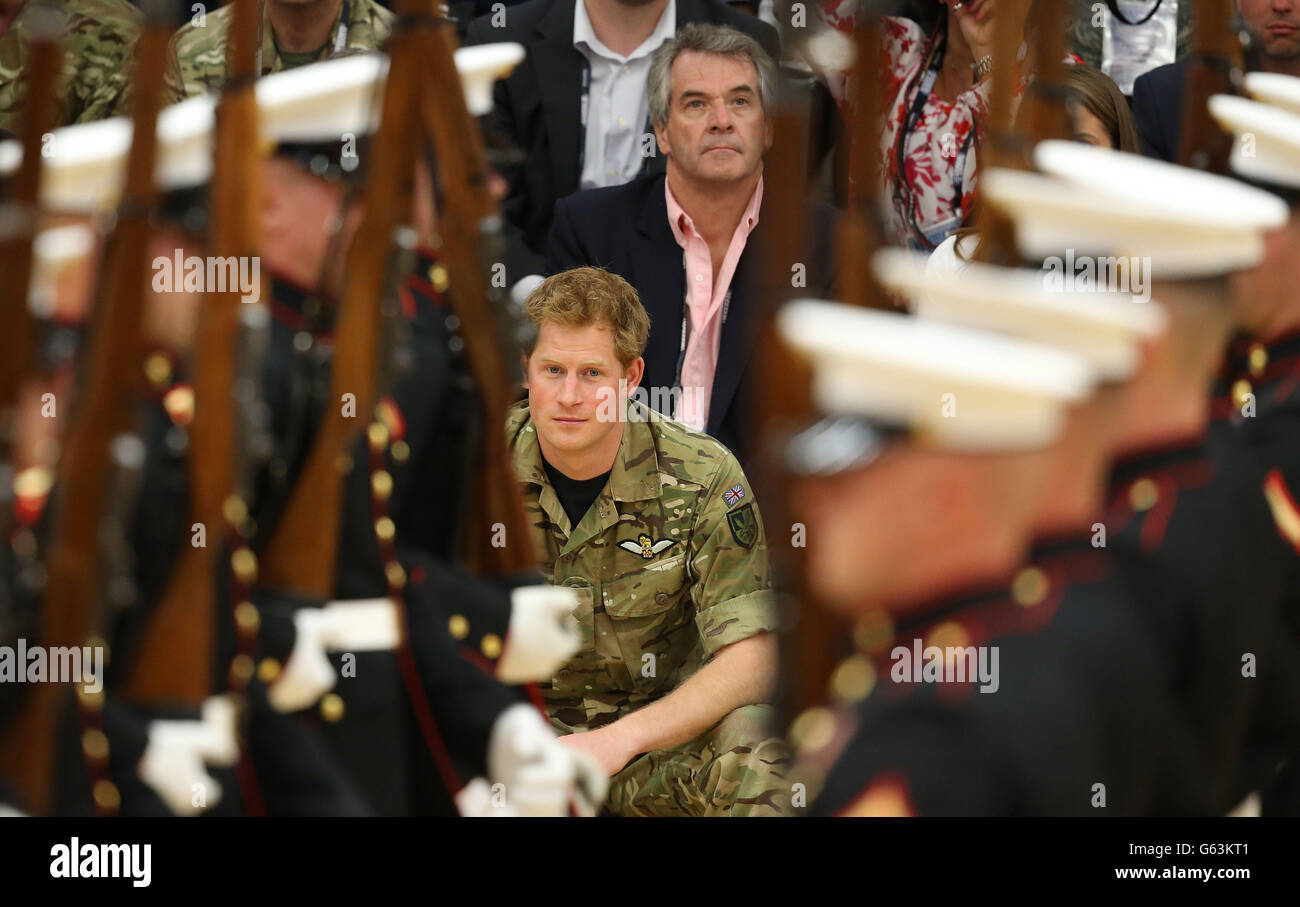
(1158, 517)
(1275, 483)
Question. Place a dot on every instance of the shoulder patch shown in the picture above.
(734, 495)
(744, 525)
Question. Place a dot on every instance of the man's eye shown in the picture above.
(742, 101)
(552, 370)
(593, 373)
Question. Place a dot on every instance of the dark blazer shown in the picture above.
(1158, 109)
(625, 229)
(536, 109)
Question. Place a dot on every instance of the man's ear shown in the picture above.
(661, 138)
(767, 134)
(633, 374)
(523, 370)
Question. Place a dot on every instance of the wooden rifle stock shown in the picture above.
(1214, 63)
(105, 408)
(302, 554)
(467, 211)
(1044, 113)
(174, 661)
(16, 323)
(858, 232)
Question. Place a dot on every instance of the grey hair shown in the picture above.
(705, 39)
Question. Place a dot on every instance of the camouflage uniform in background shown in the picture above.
(197, 58)
(1085, 38)
(98, 45)
(670, 565)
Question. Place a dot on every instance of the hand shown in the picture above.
(975, 18)
(542, 636)
(541, 777)
(606, 746)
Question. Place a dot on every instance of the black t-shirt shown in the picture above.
(576, 495)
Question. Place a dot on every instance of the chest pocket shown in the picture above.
(651, 614)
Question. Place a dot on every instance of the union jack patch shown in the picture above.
(734, 495)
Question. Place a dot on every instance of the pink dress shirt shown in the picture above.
(705, 303)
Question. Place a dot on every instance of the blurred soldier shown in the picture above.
(294, 33)
(656, 528)
(98, 41)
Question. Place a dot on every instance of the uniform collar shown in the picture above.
(635, 474)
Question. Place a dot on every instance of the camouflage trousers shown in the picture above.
(736, 768)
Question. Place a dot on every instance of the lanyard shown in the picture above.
(681, 352)
(584, 110)
(928, 79)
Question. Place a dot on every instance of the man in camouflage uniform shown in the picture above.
(98, 38)
(197, 62)
(656, 528)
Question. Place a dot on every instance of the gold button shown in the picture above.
(106, 795)
(381, 483)
(331, 707)
(1241, 389)
(401, 451)
(458, 626)
(853, 679)
(246, 618)
(873, 632)
(90, 700)
(158, 369)
(395, 575)
(267, 670)
(385, 529)
(235, 511)
(94, 744)
(1258, 359)
(491, 645)
(179, 404)
(34, 482)
(244, 563)
(1143, 494)
(439, 278)
(377, 435)
(813, 730)
(241, 668)
(949, 634)
(1029, 587)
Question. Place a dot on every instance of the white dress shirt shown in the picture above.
(617, 106)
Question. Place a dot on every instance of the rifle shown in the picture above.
(303, 551)
(1214, 66)
(469, 227)
(173, 663)
(859, 233)
(18, 231)
(104, 410)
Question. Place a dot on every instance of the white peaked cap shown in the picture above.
(1266, 146)
(1102, 202)
(896, 370)
(1104, 328)
(1274, 88)
(87, 163)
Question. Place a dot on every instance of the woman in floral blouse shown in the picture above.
(936, 91)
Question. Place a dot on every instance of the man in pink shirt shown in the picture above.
(684, 239)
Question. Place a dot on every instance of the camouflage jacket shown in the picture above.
(197, 57)
(98, 43)
(670, 565)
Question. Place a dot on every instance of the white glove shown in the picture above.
(174, 759)
(362, 625)
(308, 674)
(541, 776)
(542, 636)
